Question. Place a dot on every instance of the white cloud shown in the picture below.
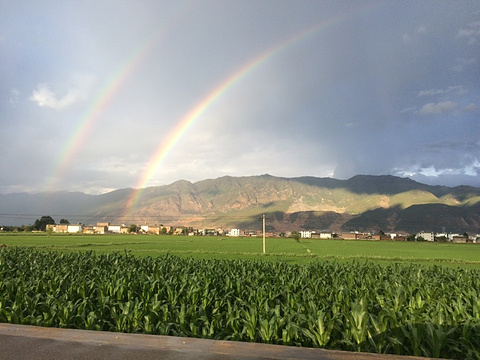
(471, 32)
(472, 168)
(458, 90)
(45, 97)
(470, 107)
(438, 108)
(13, 98)
(422, 29)
(430, 92)
(407, 110)
(462, 63)
(406, 38)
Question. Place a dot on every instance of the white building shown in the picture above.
(74, 228)
(114, 228)
(306, 234)
(429, 236)
(234, 232)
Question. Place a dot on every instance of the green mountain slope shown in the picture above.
(363, 202)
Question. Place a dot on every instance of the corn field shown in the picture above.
(357, 306)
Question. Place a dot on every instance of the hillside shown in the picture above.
(360, 203)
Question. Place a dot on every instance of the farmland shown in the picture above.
(285, 249)
(382, 297)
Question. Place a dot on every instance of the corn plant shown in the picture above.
(361, 306)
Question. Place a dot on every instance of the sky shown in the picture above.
(103, 95)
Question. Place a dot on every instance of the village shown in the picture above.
(108, 228)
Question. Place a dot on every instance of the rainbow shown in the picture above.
(105, 95)
(189, 119)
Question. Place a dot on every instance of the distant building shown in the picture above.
(305, 234)
(251, 233)
(58, 228)
(429, 236)
(355, 236)
(74, 228)
(460, 239)
(380, 237)
(114, 228)
(65, 228)
(155, 229)
(89, 229)
(326, 235)
(234, 232)
(101, 228)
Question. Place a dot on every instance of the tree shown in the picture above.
(442, 238)
(133, 228)
(43, 222)
(295, 235)
(411, 237)
(64, 221)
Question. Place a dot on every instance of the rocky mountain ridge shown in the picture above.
(363, 203)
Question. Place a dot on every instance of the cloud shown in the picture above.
(466, 172)
(470, 108)
(438, 108)
(471, 32)
(459, 90)
(422, 29)
(471, 169)
(13, 98)
(408, 110)
(462, 63)
(44, 97)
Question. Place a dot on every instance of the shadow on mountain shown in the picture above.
(429, 217)
(303, 220)
(386, 185)
(375, 220)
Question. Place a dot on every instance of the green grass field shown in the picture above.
(285, 249)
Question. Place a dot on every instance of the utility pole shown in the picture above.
(263, 217)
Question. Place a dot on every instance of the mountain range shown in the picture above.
(362, 203)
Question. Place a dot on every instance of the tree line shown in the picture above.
(38, 225)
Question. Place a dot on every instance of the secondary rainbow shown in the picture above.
(105, 95)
